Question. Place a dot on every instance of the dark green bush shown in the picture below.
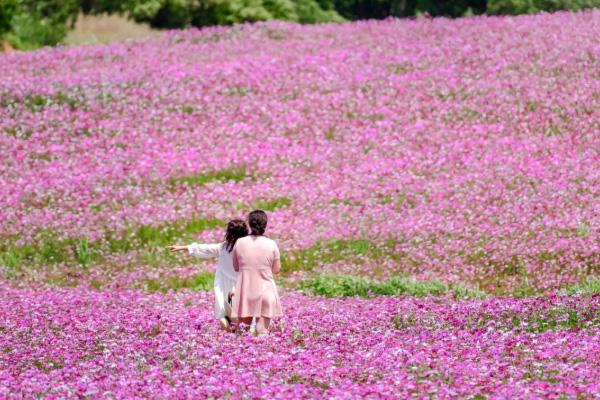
(377, 9)
(183, 13)
(8, 9)
(515, 7)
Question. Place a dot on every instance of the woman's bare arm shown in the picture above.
(236, 265)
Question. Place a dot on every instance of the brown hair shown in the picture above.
(236, 228)
(257, 220)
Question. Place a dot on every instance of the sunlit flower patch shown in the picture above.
(74, 342)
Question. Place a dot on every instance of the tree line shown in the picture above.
(28, 24)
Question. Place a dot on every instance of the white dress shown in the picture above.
(225, 276)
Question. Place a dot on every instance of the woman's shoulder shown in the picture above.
(271, 241)
(243, 239)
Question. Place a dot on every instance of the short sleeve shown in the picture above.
(276, 255)
(204, 250)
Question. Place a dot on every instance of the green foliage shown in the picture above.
(201, 281)
(451, 8)
(11, 260)
(515, 7)
(182, 13)
(37, 102)
(270, 205)
(461, 292)
(561, 318)
(150, 236)
(8, 9)
(333, 285)
(49, 249)
(29, 32)
(587, 288)
(378, 9)
(96, 284)
(82, 252)
(235, 174)
(347, 250)
(29, 24)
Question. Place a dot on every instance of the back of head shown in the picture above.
(257, 220)
(236, 228)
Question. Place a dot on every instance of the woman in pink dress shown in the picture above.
(256, 259)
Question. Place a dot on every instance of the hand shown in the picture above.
(175, 248)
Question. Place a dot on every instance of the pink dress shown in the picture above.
(256, 258)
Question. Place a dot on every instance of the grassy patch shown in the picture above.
(96, 284)
(11, 260)
(82, 251)
(235, 174)
(49, 249)
(461, 291)
(200, 281)
(553, 319)
(162, 235)
(587, 288)
(19, 133)
(330, 134)
(348, 250)
(334, 285)
(401, 68)
(564, 317)
(37, 102)
(271, 205)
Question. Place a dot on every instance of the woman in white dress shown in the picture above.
(225, 276)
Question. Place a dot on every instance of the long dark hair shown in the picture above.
(236, 228)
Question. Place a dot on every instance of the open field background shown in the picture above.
(450, 166)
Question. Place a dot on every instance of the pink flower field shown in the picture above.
(77, 343)
(463, 153)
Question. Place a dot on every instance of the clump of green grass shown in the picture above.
(82, 252)
(334, 285)
(330, 133)
(188, 109)
(557, 319)
(53, 250)
(50, 249)
(162, 235)
(271, 205)
(525, 290)
(37, 102)
(200, 281)
(401, 322)
(19, 133)
(96, 284)
(347, 250)
(337, 285)
(461, 291)
(235, 174)
(587, 288)
(11, 260)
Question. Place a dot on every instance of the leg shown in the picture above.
(262, 325)
(245, 320)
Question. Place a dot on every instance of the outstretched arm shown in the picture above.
(201, 250)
